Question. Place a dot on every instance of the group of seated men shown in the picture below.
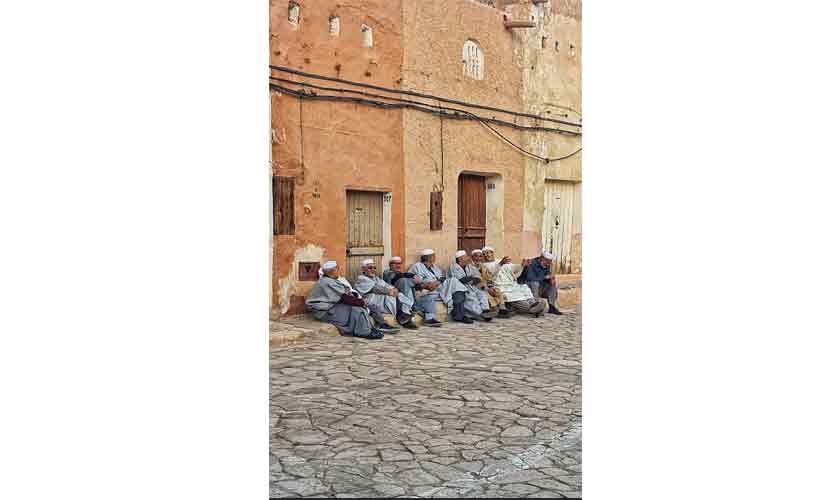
(476, 287)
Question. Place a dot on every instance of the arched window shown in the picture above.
(335, 25)
(473, 59)
(367, 36)
(294, 13)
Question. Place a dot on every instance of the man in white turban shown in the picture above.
(539, 278)
(491, 263)
(486, 284)
(476, 304)
(383, 298)
(334, 301)
(409, 285)
(437, 287)
(518, 297)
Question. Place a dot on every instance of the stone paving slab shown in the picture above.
(482, 410)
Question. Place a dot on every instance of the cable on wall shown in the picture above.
(304, 95)
(438, 107)
(418, 94)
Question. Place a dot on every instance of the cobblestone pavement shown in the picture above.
(482, 410)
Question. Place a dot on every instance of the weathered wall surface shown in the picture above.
(531, 70)
(330, 147)
(434, 34)
(344, 145)
(551, 87)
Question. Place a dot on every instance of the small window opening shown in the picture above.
(473, 59)
(544, 40)
(571, 50)
(557, 46)
(294, 13)
(367, 36)
(335, 25)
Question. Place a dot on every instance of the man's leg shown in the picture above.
(520, 306)
(404, 316)
(406, 288)
(458, 312)
(377, 313)
(426, 304)
(404, 304)
(549, 291)
(353, 321)
(483, 298)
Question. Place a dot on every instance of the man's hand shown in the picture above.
(432, 285)
(417, 279)
(505, 260)
(494, 292)
(393, 292)
(526, 262)
(552, 280)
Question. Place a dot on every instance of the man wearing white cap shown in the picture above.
(490, 262)
(440, 288)
(409, 284)
(476, 304)
(383, 298)
(495, 297)
(537, 275)
(518, 297)
(334, 301)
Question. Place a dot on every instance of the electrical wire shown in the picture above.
(304, 95)
(418, 94)
(439, 107)
(538, 157)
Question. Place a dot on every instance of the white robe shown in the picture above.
(505, 281)
(493, 267)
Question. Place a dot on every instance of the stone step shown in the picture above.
(568, 289)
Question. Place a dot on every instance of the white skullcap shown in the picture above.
(367, 262)
(548, 255)
(460, 253)
(427, 251)
(488, 249)
(396, 258)
(477, 250)
(330, 264)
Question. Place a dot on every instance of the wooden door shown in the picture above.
(364, 231)
(472, 212)
(561, 233)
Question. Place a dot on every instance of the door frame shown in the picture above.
(494, 205)
(387, 203)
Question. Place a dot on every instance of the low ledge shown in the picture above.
(520, 24)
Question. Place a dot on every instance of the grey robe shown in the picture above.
(447, 286)
(476, 302)
(323, 302)
(483, 297)
(375, 292)
(404, 285)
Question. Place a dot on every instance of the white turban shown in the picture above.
(427, 251)
(330, 264)
(460, 253)
(488, 249)
(396, 258)
(367, 262)
(548, 255)
(477, 250)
